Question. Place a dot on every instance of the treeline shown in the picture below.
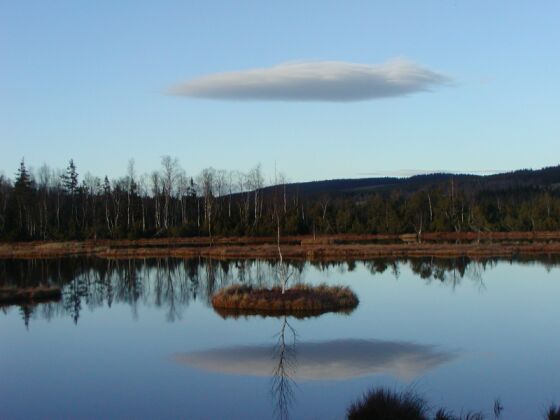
(47, 204)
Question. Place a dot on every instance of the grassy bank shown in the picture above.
(333, 247)
(298, 300)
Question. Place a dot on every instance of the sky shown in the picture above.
(319, 89)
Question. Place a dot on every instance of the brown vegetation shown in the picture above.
(299, 300)
(13, 295)
(442, 244)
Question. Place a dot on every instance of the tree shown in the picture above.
(107, 200)
(284, 272)
(170, 172)
(130, 191)
(70, 184)
(44, 178)
(70, 178)
(24, 195)
(5, 189)
(207, 183)
(256, 183)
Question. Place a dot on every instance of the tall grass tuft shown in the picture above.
(385, 404)
(553, 413)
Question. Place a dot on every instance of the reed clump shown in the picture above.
(386, 404)
(299, 299)
(553, 413)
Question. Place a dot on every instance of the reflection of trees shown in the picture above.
(282, 378)
(166, 283)
(172, 284)
(451, 271)
(448, 271)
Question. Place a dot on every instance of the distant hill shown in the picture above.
(545, 177)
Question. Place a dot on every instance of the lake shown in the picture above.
(139, 339)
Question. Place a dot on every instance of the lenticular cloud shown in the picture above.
(330, 81)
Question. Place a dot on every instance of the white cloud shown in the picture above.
(330, 81)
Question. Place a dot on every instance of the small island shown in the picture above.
(298, 300)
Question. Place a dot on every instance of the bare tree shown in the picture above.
(282, 378)
(256, 183)
(143, 192)
(284, 272)
(44, 179)
(92, 189)
(282, 181)
(170, 171)
(183, 190)
(207, 181)
(155, 179)
(130, 185)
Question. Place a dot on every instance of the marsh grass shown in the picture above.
(300, 300)
(553, 413)
(386, 404)
(381, 403)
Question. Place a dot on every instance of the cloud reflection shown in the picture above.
(336, 359)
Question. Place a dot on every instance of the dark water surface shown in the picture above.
(138, 339)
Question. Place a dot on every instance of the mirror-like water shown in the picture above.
(138, 339)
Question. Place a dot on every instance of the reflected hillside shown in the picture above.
(172, 284)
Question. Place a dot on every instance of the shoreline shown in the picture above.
(331, 247)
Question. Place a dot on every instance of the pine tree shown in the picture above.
(23, 192)
(23, 180)
(70, 178)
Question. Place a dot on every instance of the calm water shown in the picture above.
(138, 339)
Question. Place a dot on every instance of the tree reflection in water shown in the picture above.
(337, 359)
(283, 376)
(172, 284)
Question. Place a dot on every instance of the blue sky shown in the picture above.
(91, 81)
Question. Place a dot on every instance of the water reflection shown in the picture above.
(288, 361)
(172, 284)
(325, 360)
(283, 382)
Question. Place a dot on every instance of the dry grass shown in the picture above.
(13, 295)
(299, 300)
(329, 247)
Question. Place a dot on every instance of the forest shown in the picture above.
(49, 204)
